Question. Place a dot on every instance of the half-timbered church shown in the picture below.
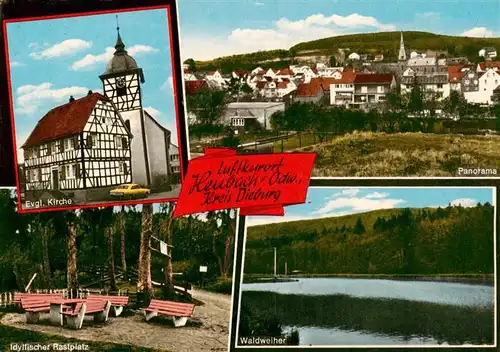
(100, 141)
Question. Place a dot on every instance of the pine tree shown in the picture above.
(359, 228)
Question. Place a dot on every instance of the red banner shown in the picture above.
(259, 184)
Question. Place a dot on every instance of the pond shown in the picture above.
(347, 312)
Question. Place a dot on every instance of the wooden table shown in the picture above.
(56, 308)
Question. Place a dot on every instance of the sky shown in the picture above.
(55, 58)
(332, 201)
(211, 28)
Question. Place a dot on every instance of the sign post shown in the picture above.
(203, 269)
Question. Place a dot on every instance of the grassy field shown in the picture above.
(404, 154)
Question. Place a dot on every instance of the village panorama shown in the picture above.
(396, 110)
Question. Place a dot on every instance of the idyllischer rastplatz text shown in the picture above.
(243, 180)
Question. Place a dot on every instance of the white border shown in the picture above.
(494, 193)
(235, 257)
(184, 100)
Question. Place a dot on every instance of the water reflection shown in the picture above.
(377, 312)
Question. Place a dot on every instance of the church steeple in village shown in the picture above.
(402, 51)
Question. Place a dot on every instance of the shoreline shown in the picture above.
(477, 279)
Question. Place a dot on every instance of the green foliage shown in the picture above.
(333, 61)
(359, 228)
(455, 104)
(394, 241)
(22, 250)
(386, 43)
(192, 64)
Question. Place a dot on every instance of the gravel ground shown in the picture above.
(208, 330)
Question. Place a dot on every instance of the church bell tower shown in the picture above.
(123, 78)
(402, 50)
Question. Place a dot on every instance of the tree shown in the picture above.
(496, 112)
(415, 103)
(166, 231)
(208, 106)
(223, 227)
(333, 61)
(359, 228)
(455, 104)
(191, 63)
(322, 121)
(123, 251)
(394, 101)
(111, 258)
(144, 283)
(72, 272)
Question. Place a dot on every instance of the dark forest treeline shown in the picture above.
(447, 240)
(386, 43)
(108, 238)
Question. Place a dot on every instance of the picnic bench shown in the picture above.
(19, 295)
(178, 311)
(98, 308)
(34, 304)
(117, 302)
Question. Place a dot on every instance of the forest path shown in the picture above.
(208, 332)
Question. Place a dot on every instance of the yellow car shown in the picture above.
(130, 190)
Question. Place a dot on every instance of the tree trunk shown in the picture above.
(72, 275)
(166, 227)
(144, 284)
(228, 250)
(19, 278)
(216, 253)
(47, 275)
(122, 244)
(111, 260)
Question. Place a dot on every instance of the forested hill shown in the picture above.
(395, 241)
(386, 43)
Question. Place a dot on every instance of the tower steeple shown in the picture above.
(119, 46)
(402, 51)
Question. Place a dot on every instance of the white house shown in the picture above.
(354, 56)
(437, 85)
(488, 53)
(271, 73)
(79, 145)
(342, 90)
(285, 87)
(189, 76)
(335, 72)
(257, 70)
(483, 66)
(285, 73)
(100, 141)
(237, 114)
(175, 166)
(487, 82)
(214, 78)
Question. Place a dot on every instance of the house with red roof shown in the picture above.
(195, 87)
(372, 88)
(240, 74)
(66, 149)
(311, 92)
(99, 141)
(483, 66)
(478, 87)
(342, 89)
